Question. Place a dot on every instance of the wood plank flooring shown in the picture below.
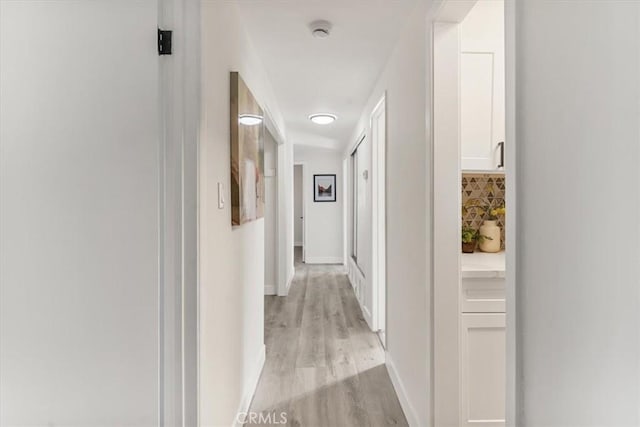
(324, 366)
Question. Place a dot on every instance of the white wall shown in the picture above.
(297, 205)
(79, 197)
(578, 143)
(323, 220)
(271, 256)
(231, 260)
(408, 206)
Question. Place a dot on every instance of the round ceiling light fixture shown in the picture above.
(320, 29)
(323, 118)
(249, 119)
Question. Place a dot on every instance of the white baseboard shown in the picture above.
(288, 284)
(250, 387)
(290, 280)
(409, 411)
(365, 311)
(367, 316)
(270, 289)
(324, 260)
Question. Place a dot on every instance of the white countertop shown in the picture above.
(482, 264)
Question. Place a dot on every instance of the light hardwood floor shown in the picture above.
(324, 366)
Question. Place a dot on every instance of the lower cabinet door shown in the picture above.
(482, 365)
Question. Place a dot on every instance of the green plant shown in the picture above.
(484, 208)
(470, 235)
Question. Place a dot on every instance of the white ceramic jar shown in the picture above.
(490, 230)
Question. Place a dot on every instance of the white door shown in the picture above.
(79, 202)
(483, 369)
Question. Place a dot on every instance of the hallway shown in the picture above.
(324, 366)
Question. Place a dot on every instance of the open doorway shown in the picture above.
(271, 255)
(298, 214)
(470, 187)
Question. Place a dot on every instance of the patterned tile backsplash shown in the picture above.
(482, 190)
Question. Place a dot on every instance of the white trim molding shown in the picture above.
(403, 397)
(250, 387)
(324, 260)
(378, 130)
(179, 300)
(289, 282)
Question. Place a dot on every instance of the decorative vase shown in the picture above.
(468, 248)
(491, 233)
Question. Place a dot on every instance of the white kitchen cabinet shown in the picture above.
(483, 376)
(481, 116)
(482, 340)
(482, 88)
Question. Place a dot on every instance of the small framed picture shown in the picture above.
(324, 188)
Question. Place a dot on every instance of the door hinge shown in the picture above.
(164, 42)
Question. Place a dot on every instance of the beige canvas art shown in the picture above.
(247, 154)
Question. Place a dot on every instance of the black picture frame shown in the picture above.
(329, 188)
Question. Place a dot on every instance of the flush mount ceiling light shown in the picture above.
(249, 119)
(323, 118)
(320, 29)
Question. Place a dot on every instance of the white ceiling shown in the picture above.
(334, 75)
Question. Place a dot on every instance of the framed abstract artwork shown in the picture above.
(247, 154)
(324, 188)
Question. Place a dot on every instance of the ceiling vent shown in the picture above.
(320, 29)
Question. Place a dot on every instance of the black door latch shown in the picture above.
(164, 42)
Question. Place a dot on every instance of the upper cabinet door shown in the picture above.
(479, 144)
(482, 87)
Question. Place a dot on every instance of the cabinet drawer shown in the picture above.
(483, 295)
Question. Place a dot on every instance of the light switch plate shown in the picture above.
(220, 195)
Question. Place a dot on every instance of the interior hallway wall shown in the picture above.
(323, 237)
(578, 92)
(232, 276)
(408, 186)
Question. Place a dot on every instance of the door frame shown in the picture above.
(446, 222)
(281, 203)
(379, 220)
(303, 165)
(179, 100)
(272, 176)
(445, 333)
(513, 389)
